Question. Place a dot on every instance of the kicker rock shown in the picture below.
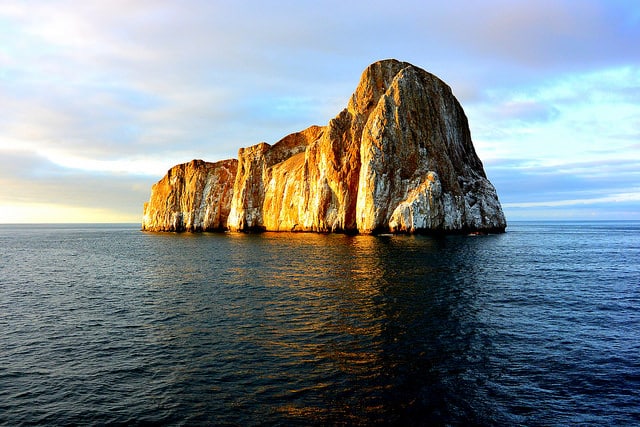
(398, 158)
(194, 196)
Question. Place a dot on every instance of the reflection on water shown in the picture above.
(332, 327)
(538, 326)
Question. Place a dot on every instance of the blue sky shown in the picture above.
(100, 98)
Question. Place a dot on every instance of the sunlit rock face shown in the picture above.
(271, 184)
(399, 158)
(419, 170)
(194, 196)
(332, 163)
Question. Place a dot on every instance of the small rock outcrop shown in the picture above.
(194, 196)
(398, 158)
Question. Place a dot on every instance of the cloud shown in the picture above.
(571, 117)
(523, 185)
(633, 197)
(112, 80)
(529, 111)
(29, 179)
(554, 32)
(580, 190)
(110, 91)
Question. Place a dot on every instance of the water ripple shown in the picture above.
(107, 325)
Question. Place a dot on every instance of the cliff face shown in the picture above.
(399, 158)
(269, 184)
(194, 196)
(333, 162)
(419, 169)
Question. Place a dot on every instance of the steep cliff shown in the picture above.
(268, 186)
(399, 158)
(333, 163)
(419, 169)
(194, 196)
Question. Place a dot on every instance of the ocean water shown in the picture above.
(105, 324)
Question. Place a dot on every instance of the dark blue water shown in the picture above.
(110, 325)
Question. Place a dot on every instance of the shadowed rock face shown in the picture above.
(399, 158)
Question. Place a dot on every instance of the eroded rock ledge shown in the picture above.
(398, 158)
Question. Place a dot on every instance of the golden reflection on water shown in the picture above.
(332, 319)
(312, 319)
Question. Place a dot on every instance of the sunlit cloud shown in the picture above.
(129, 166)
(54, 213)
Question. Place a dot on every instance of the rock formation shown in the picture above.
(270, 183)
(399, 158)
(194, 196)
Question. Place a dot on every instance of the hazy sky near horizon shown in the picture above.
(100, 98)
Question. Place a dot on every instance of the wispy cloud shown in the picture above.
(613, 198)
(110, 94)
(603, 188)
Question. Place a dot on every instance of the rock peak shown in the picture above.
(398, 158)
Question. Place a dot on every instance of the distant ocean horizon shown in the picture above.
(106, 324)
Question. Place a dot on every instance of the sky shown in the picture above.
(99, 99)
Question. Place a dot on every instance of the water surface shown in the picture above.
(107, 324)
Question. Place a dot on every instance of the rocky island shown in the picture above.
(399, 158)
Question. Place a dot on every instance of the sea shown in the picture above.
(109, 325)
